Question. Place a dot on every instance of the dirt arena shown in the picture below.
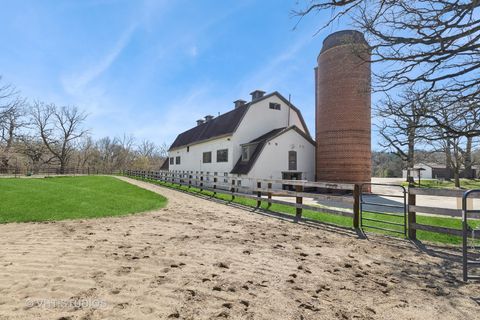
(197, 259)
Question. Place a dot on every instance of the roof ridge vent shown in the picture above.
(239, 103)
(257, 94)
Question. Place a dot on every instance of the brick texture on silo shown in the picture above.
(343, 109)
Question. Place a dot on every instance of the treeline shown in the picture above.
(387, 164)
(35, 136)
(447, 129)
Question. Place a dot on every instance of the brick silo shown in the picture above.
(343, 109)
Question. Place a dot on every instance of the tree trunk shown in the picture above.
(456, 175)
(62, 167)
(411, 145)
(448, 154)
(468, 159)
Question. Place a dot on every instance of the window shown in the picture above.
(177, 160)
(245, 153)
(207, 157)
(274, 106)
(222, 155)
(172, 160)
(292, 160)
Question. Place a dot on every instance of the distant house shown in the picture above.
(436, 171)
(266, 138)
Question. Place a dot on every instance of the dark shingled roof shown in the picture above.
(165, 165)
(222, 125)
(244, 167)
(225, 124)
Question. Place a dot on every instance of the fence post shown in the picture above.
(269, 194)
(299, 200)
(201, 182)
(189, 181)
(259, 194)
(412, 216)
(356, 206)
(232, 189)
(215, 186)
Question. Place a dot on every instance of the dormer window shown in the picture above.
(274, 106)
(245, 153)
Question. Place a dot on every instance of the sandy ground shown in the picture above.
(197, 259)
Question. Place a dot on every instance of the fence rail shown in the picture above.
(303, 195)
(413, 209)
(47, 171)
(264, 190)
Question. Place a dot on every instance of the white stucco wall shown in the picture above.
(274, 158)
(193, 159)
(260, 119)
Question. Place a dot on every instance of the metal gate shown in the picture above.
(471, 258)
(377, 212)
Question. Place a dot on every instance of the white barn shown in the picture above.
(266, 138)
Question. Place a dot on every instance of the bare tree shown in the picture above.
(457, 148)
(85, 151)
(59, 128)
(401, 124)
(146, 149)
(12, 114)
(34, 150)
(433, 44)
(163, 149)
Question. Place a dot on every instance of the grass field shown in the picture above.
(62, 198)
(443, 184)
(341, 220)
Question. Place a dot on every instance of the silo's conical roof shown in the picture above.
(343, 37)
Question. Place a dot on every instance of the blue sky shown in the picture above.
(151, 68)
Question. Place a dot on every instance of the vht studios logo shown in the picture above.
(66, 303)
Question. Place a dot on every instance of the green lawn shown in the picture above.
(62, 198)
(443, 184)
(341, 220)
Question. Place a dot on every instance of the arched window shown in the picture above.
(292, 160)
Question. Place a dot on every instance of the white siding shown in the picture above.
(424, 174)
(193, 159)
(260, 119)
(274, 158)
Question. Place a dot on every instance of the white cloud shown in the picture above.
(77, 82)
(179, 114)
(277, 70)
(193, 52)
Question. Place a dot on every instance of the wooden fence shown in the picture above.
(413, 209)
(264, 190)
(51, 171)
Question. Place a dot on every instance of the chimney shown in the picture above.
(257, 94)
(208, 118)
(239, 103)
(200, 121)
